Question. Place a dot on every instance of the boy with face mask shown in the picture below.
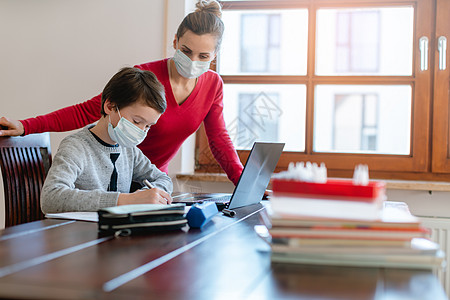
(94, 167)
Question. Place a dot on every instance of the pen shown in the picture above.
(148, 184)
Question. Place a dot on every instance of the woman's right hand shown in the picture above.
(9, 127)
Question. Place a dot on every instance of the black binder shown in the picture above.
(141, 218)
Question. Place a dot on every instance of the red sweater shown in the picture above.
(175, 125)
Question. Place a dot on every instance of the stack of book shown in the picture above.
(340, 223)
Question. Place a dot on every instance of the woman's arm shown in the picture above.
(65, 119)
(219, 140)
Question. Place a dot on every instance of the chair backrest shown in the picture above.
(24, 163)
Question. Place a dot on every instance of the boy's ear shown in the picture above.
(175, 42)
(108, 107)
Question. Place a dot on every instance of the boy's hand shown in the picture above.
(9, 127)
(151, 196)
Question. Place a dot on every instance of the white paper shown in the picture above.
(90, 216)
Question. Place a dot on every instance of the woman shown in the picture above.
(193, 93)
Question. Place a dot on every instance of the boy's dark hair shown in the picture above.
(131, 85)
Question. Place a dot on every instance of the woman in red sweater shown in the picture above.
(193, 93)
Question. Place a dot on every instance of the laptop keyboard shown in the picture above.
(225, 198)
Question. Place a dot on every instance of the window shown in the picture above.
(344, 115)
(260, 114)
(357, 41)
(260, 52)
(255, 113)
(339, 82)
(355, 115)
(263, 42)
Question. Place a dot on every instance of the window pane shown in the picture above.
(264, 42)
(362, 119)
(370, 41)
(270, 113)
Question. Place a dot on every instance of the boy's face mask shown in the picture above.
(188, 68)
(126, 134)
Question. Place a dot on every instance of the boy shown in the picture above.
(94, 167)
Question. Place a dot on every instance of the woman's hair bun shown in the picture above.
(210, 6)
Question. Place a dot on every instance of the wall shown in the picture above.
(57, 53)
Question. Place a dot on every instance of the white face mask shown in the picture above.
(126, 134)
(188, 68)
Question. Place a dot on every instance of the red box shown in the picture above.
(339, 189)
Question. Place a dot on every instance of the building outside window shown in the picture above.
(260, 52)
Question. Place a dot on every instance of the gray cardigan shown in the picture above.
(81, 171)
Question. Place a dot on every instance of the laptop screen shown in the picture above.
(256, 175)
(252, 184)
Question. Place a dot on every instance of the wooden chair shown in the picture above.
(24, 163)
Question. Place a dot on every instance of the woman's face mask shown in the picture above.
(188, 68)
(126, 134)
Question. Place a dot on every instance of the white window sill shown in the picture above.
(390, 184)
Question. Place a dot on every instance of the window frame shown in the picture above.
(419, 164)
(441, 155)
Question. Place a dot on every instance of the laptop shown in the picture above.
(252, 184)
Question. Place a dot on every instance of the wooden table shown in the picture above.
(66, 259)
